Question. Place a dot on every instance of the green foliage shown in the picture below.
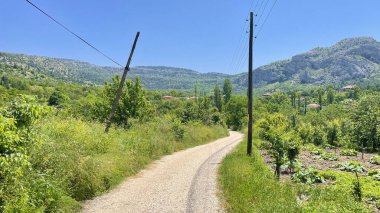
(85, 162)
(329, 156)
(283, 141)
(357, 189)
(57, 99)
(218, 103)
(316, 151)
(22, 189)
(308, 176)
(330, 95)
(25, 111)
(365, 117)
(375, 160)
(227, 90)
(333, 132)
(348, 152)
(236, 112)
(178, 129)
(132, 104)
(249, 186)
(352, 166)
(373, 172)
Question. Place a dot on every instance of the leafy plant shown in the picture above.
(351, 166)
(329, 157)
(373, 172)
(348, 152)
(295, 165)
(375, 160)
(316, 151)
(308, 176)
(357, 188)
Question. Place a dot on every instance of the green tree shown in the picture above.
(332, 133)
(57, 98)
(330, 95)
(320, 92)
(218, 98)
(236, 112)
(25, 110)
(366, 121)
(227, 90)
(132, 104)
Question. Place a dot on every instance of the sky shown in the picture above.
(203, 35)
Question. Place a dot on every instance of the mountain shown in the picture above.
(153, 77)
(351, 60)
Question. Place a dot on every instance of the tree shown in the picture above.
(330, 95)
(25, 110)
(218, 98)
(132, 104)
(236, 111)
(57, 98)
(332, 131)
(227, 90)
(275, 127)
(320, 92)
(366, 122)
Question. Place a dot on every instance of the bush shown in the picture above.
(375, 160)
(351, 166)
(349, 152)
(316, 151)
(329, 157)
(373, 172)
(308, 176)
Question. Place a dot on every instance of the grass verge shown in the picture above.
(248, 185)
(80, 162)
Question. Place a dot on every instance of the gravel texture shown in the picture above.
(185, 181)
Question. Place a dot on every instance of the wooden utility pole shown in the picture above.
(121, 85)
(250, 87)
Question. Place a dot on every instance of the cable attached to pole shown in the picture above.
(76, 35)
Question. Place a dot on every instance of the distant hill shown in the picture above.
(153, 77)
(352, 60)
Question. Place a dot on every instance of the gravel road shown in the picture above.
(185, 181)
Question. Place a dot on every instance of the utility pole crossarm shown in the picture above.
(121, 85)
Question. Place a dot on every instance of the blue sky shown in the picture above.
(199, 34)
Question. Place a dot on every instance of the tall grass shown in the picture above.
(249, 185)
(82, 162)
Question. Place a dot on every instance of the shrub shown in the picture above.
(373, 172)
(375, 160)
(295, 165)
(329, 157)
(178, 129)
(351, 166)
(315, 151)
(308, 176)
(349, 152)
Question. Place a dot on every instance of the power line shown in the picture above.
(262, 13)
(76, 35)
(236, 61)
(266, 19)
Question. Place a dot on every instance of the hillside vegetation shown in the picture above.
(354, 60)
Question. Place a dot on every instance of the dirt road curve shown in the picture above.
(183, 182)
